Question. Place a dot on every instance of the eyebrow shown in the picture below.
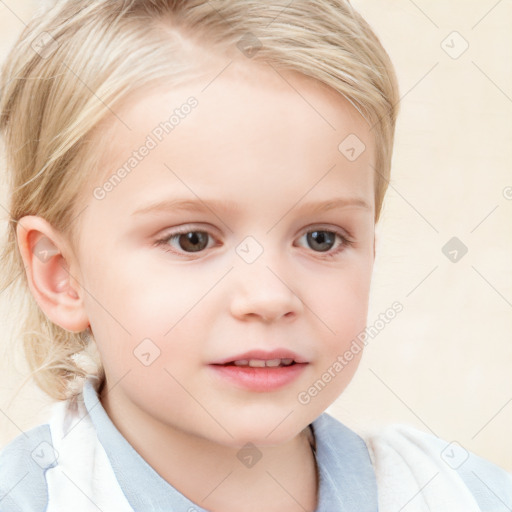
(198, 205)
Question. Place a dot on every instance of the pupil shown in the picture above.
(193, 241)
(324, 239)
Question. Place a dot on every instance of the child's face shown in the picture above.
(265, 149)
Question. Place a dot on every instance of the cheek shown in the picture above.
(340, 299)
(140, 314)
(341, 305)
(145, 296)
(342, 310)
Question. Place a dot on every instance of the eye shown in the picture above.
(323, 240)
(185, 240)
(188, 241)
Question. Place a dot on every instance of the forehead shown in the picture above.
(254, 132)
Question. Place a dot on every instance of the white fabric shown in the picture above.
(412, 476)
(83, 480)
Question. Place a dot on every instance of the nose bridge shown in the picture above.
(262, 285)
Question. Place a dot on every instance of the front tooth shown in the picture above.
(256, 363)
(242, 362)
(273, 362)
(287, 362)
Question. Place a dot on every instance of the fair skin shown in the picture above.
(257, 142)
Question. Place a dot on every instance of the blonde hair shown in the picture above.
(75, 60)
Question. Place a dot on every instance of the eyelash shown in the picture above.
(163, 242)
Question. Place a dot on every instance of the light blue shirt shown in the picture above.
(347, 480)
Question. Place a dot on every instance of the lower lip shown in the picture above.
(260, 379)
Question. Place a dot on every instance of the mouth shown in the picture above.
(263, 358)
(261, 363)
(260, 371)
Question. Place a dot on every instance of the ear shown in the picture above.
(52, 284)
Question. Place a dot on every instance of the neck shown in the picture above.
(213, 476)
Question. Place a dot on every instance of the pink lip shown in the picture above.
(263, 355)
(259, 379)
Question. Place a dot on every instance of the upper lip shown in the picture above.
(264, 355)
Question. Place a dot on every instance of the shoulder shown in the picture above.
(23, 463)
(401, 453)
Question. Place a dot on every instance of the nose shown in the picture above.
(262, 291)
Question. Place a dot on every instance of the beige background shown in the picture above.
(444, 363)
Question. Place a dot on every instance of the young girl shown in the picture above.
(194, 192)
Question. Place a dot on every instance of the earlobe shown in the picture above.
(50, 281)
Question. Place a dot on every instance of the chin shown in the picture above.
(265, 432)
